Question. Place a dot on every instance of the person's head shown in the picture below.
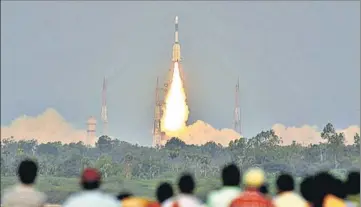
(264, 189)
(27, 172)
(307, 189)
(123, 195)
(285, 183)
(352, 184)
(231, 175)
(90, 179)
(186, 184)
(327, 184)
(254, 178)
(164, 191)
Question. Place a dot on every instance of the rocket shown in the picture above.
(176, 55)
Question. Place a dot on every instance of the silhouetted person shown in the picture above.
(91, 196)
(307, 190)
(253, 179)
(329, 191)
(164, 194)
(352, 186)
(286, 196)
(186, 186)
(265, 192)
(24, 194)
(124, 195)
(231, 178)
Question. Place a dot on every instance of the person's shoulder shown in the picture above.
(7, 193)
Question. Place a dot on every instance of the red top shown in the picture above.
(251, 198)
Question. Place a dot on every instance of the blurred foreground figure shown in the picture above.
(128, 200)
(91, 196)
(286, 196)
(264, 190)
(186, 198)
(353, 189)
(231, 178)
(135, 202)
(253, 179)
(307, 190)
(164, 195)
(122, 196)
(24, 194)
(330, 191)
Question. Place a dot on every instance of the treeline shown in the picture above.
(116, 158)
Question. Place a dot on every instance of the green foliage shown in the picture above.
(140, 169)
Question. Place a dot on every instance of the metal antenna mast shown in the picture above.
(237, 110)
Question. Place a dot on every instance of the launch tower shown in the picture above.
(91, 131)
(104, 112)
(237, 110)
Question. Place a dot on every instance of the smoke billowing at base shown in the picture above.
(50, 126)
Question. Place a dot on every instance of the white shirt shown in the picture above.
(288, 199)
(184, 200)
(223, 197)
(23, 196)
(91, 198)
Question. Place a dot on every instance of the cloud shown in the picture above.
(49, 126)
(200, 133)
(307, 134)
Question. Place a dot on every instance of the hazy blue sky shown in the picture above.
(298, 62)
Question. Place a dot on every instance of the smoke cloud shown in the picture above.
(49, 126)
(201, 133)
(310, 134)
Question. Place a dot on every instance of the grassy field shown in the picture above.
(58, 188)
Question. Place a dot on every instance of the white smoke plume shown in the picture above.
(200, 133)
(49, 126)
(310, 134)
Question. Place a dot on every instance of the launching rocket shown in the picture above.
(176, 55)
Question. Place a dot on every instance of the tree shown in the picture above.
(356, 141)
(335, 140)
(104, 144)
(175, 143)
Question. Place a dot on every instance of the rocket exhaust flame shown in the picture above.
(175, 109)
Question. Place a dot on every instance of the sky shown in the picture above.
(298, 62)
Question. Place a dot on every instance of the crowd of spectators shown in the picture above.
(247, 190)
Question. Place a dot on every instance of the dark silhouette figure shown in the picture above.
(353, 183)
(124, 195)
(327, 189)
(231, 175)
(27, 172)
(285, 183)
(264, 190)
(164, 192)
(90, 179)
(186, 184)
(307, 190)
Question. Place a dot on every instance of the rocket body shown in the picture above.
(176, 55)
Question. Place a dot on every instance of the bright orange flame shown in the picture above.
(176, 109)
